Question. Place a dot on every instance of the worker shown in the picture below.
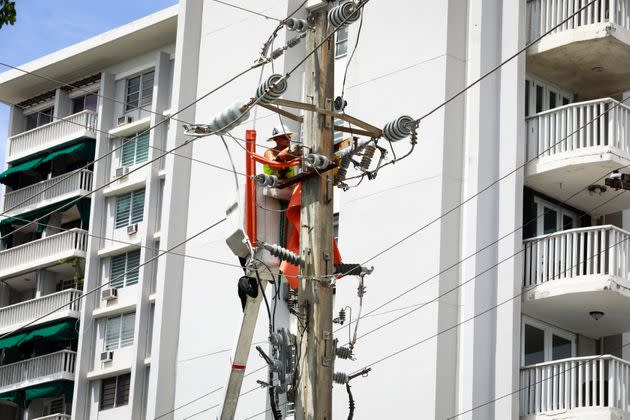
(281, 152)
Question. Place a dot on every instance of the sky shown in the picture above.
(43, 27)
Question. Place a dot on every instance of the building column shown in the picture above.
(170, 273)
(63, 104)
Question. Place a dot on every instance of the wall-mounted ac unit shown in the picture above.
(107, 356)
(109, 294)
(125, 119)
(132, 229)
(122, 171)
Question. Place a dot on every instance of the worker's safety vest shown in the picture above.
(280, 173)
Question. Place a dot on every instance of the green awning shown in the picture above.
(29, 165)
(83, 150)
(49, 390)
(16, 397)
(6, 225)
(12, 340)
(58, 331)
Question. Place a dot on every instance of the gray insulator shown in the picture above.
(228, 119)
(283, 254)
(265, 180)
(344, 164)
(398, 129)
(340, 378)
(294, 24)
(344, 14)
(343, 353)
(368, 154)
(317, 161)
(267, 92)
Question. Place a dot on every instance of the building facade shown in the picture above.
(504, 293)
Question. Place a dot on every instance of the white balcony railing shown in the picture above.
(23, 312)
(577, 252)
(43, 252)
(543, 15)
(45, 192)
(575, 127)
(55, 417)
(40, 138)
(37, 370)
(594, 381)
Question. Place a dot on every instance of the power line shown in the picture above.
(247, 10)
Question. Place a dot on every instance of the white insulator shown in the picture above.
(265, 180)
(398, 129)
(294, 24)
(340, 378)
(283, 254)
(317, 161)
(267, 92)
(228, 119)
(343, 14)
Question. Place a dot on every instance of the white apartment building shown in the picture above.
(520, 294)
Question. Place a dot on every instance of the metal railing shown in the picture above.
(28, 371)
(577, 252)
(593, 381)
(35, 308)
(570, 128)
(542, 15)
(48, 190)
(39, 138)
(48, 248)
(55, 417)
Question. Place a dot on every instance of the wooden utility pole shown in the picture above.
(314, 392)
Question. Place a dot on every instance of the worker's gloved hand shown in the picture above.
(247, 286)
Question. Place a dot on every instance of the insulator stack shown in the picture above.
(344, 164)
(228, 119)
(398, 129)
(368, 154)
(292, 299)
(349, 269)
(317, 161)
(343, 353)
(298, 25)
(344, 14)
(342, 316)
(267, 92)
(265, 180)
(340, 378)
(283, 254)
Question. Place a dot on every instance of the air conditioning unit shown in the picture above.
(132, 229)
(109, 294)
(126, 119)
(122, 171)
(107, 356)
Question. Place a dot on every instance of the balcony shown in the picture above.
(47, 192)
(594, 387)
(47, 368)
(43, 252)
(55, 417)
(58, 132)
(38, 309)
(577, 146)
(589, 54)
(571, 273)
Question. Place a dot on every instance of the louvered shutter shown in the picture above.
(133, 270)
(142, 148)
(112, 333)
(108, 393)
(147, 88)
(128, 152)
(118, 269)
(123, 205)
(137, 206)
(126, 332)
(122, 391)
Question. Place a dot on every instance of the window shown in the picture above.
(540, 97)
(544, 343)
(115, 391)
(341, 44)
(135, 150)
(129, 208)
(125, 269)
(339, 135)
(82, 103)
(553, 218)
(55, 406)
(38, 118)
(139, 90)
(119, 331)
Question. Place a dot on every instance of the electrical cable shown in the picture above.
(354, 50)
(214, 353)
(247, 10)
